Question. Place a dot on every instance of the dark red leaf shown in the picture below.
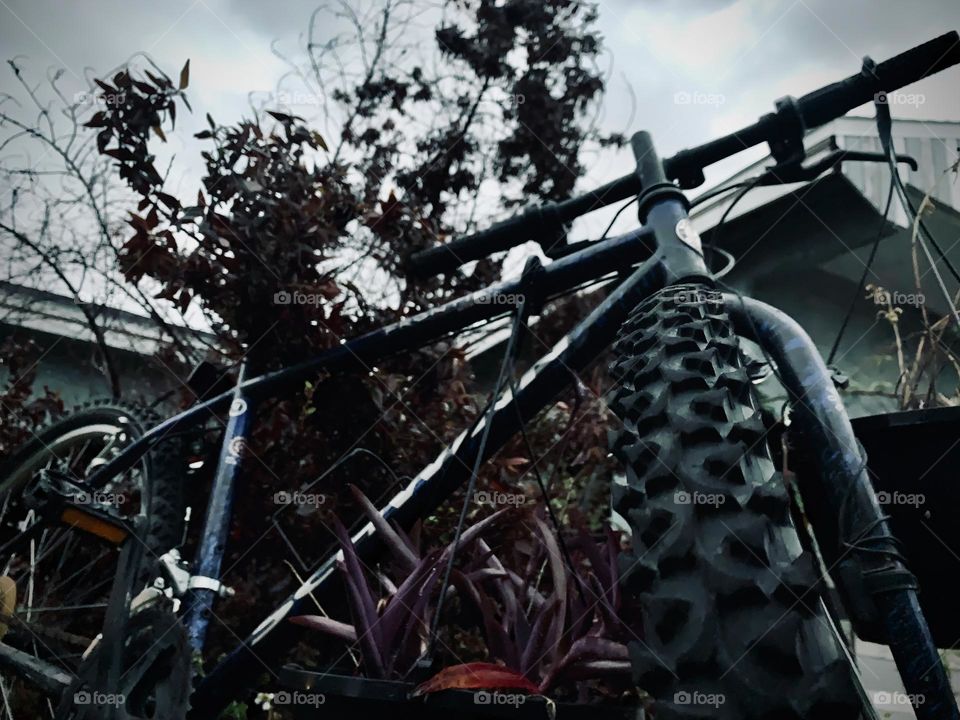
(476, 676)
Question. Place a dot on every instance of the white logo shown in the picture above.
(686, 232)
(238, 407)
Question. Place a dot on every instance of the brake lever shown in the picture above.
(797, 172)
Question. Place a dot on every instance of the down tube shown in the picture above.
(536, 389)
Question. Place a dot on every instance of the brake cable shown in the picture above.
(520, 317)
(863, 277)
(884, 128)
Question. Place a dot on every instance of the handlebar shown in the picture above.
(545, 223)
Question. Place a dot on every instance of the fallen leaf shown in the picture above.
(476, 676)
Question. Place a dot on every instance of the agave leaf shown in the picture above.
(400, 550)
(475, 676)
(558, 571)
(513, 615)
(465, 586)
(327, 625)
(598, 560)
(408, 650)
(537, 648)
(585, 651)
(472, 533)
(499, 642)
(387, 584)
(363, 606)
(487, 574)
(582, 614)
(398, 612)
(407, 539)
(610, 620)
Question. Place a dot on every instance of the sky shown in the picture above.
(685, 71)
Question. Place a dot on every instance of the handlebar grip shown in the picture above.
(449, 256)
(821, 106)
(919, 62)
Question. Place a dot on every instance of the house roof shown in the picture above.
(933, 144)
(59, 315)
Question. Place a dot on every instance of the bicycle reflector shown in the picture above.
(95, 524)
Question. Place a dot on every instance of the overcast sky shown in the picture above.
(688, 70)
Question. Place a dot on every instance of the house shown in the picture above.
(70, 358)
(803, 247)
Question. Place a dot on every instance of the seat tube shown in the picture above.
(205, 582)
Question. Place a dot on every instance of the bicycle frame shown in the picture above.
(668, 251)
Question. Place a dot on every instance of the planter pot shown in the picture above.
(313, 695)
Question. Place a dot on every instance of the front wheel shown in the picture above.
(732, 624)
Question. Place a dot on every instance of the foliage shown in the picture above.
(543, 620)
(22, 411)
(292, 234)
(298, 238)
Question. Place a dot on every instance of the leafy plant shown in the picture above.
(22, 411)
(548, 614)
(390, 631)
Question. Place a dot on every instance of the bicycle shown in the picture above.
(691, 423)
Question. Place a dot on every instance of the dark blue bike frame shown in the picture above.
(665, 252)
(666, 255)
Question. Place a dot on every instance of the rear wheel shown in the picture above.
(63, 578)
(732, 623)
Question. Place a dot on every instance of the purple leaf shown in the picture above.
(408, 648)
(498, 641)
(327, 625)
(401, 551)
(488, 574)
(558, 570)
(584, 651)
(537, 648)
(397, 613)
(363, 605)
(473, 532)
(598, 560)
